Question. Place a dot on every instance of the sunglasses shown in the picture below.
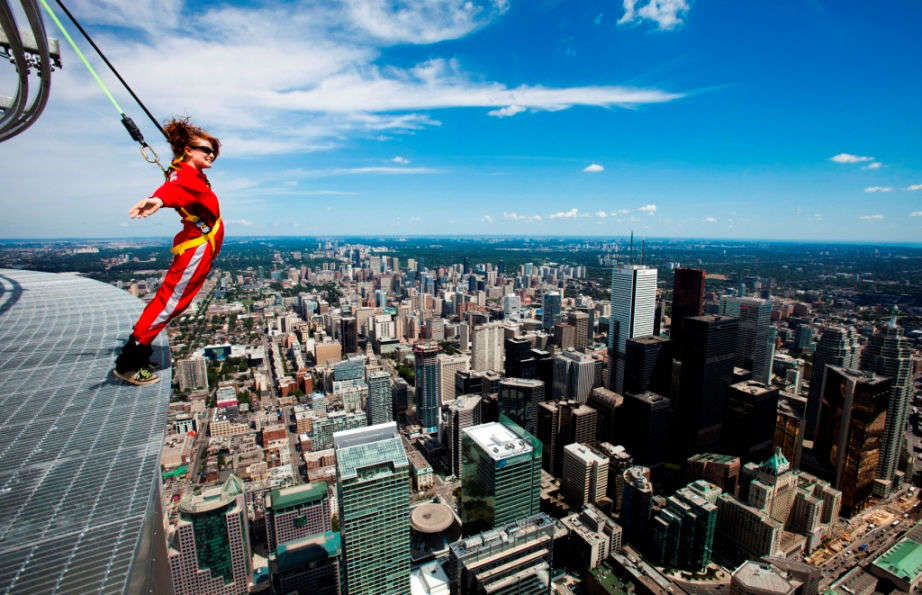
(203, 148)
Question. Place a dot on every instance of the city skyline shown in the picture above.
(361, 118)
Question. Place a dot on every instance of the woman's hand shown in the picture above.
(145, 207)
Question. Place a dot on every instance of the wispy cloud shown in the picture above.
(667, 14)
(849, 158)
(601, 214)
(648, 209)
(513, 216)
(505, 112)
(914, 187)
(916, 214)
(876, 217)
(487, 219)
(386, 170)
(878, 189)
(571, 214)
(873, 165)
(710, 220)
(401, 160)
(593, 168)
(423, 21)
(243, 222)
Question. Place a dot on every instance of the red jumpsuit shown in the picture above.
(196, 246)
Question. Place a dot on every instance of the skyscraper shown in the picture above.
(561, 423)
(687, 298)
(636, 505)
(585, 475)
(349, 331)
(708, 352)
(192, 373)
(380, 399)
(633, 305)
(311, 564)
(428, 386)
(517, 351)
(574, 376)
(581, 321)
(682, 533)
(889, 354)
(645, 423)
(501, 466)
(749, 426)
(487, 347)
(550, 309)
(449, 364)
(648, 365)
(373, 486)
(754, 342)
(295, 512)
(519, 398)
(210, 546)
(838, 346)
(464, 413)
(852, 424)
(513, 558)
(608, 405)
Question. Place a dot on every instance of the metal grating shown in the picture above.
(79, 449)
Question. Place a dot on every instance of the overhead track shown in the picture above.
(28, 50)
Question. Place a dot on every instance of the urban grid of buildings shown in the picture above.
(354, 422)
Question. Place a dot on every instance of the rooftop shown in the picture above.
(903, 560)
(366, 447)
(213, 497)
(497, 440)
(431, 517)
(761, 576)
(296, 553)
(80, 449)
(306, 493)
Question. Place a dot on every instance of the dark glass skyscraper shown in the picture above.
(648, 365)
(851, 431)
(749, 426)
(644, 428)
(428, 386)
(687, 298)
(708, 352)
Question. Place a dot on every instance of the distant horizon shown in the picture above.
(530, 237)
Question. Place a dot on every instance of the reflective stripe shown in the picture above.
(181, 286)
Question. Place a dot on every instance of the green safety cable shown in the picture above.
(146, 150)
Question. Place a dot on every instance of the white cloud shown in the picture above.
(649, 209)
(914, 187)
(423, 21)
(513, 216)
(572, 213)
(874, 165)
(849, 158)
(348, 171)
(916, 214)
(487, 219)
(878, 189)
(243, 222)
(710, 220)
(593, 168)
(401, 160)
(601, 214)
(667, 14)
(872, 217)
(505, 112)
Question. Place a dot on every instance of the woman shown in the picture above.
(195, 247)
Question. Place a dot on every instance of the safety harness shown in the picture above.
(208, 233)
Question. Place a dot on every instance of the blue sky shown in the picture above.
(789, 120)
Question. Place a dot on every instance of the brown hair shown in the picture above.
(181, 131)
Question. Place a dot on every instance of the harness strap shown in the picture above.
(196, 242)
